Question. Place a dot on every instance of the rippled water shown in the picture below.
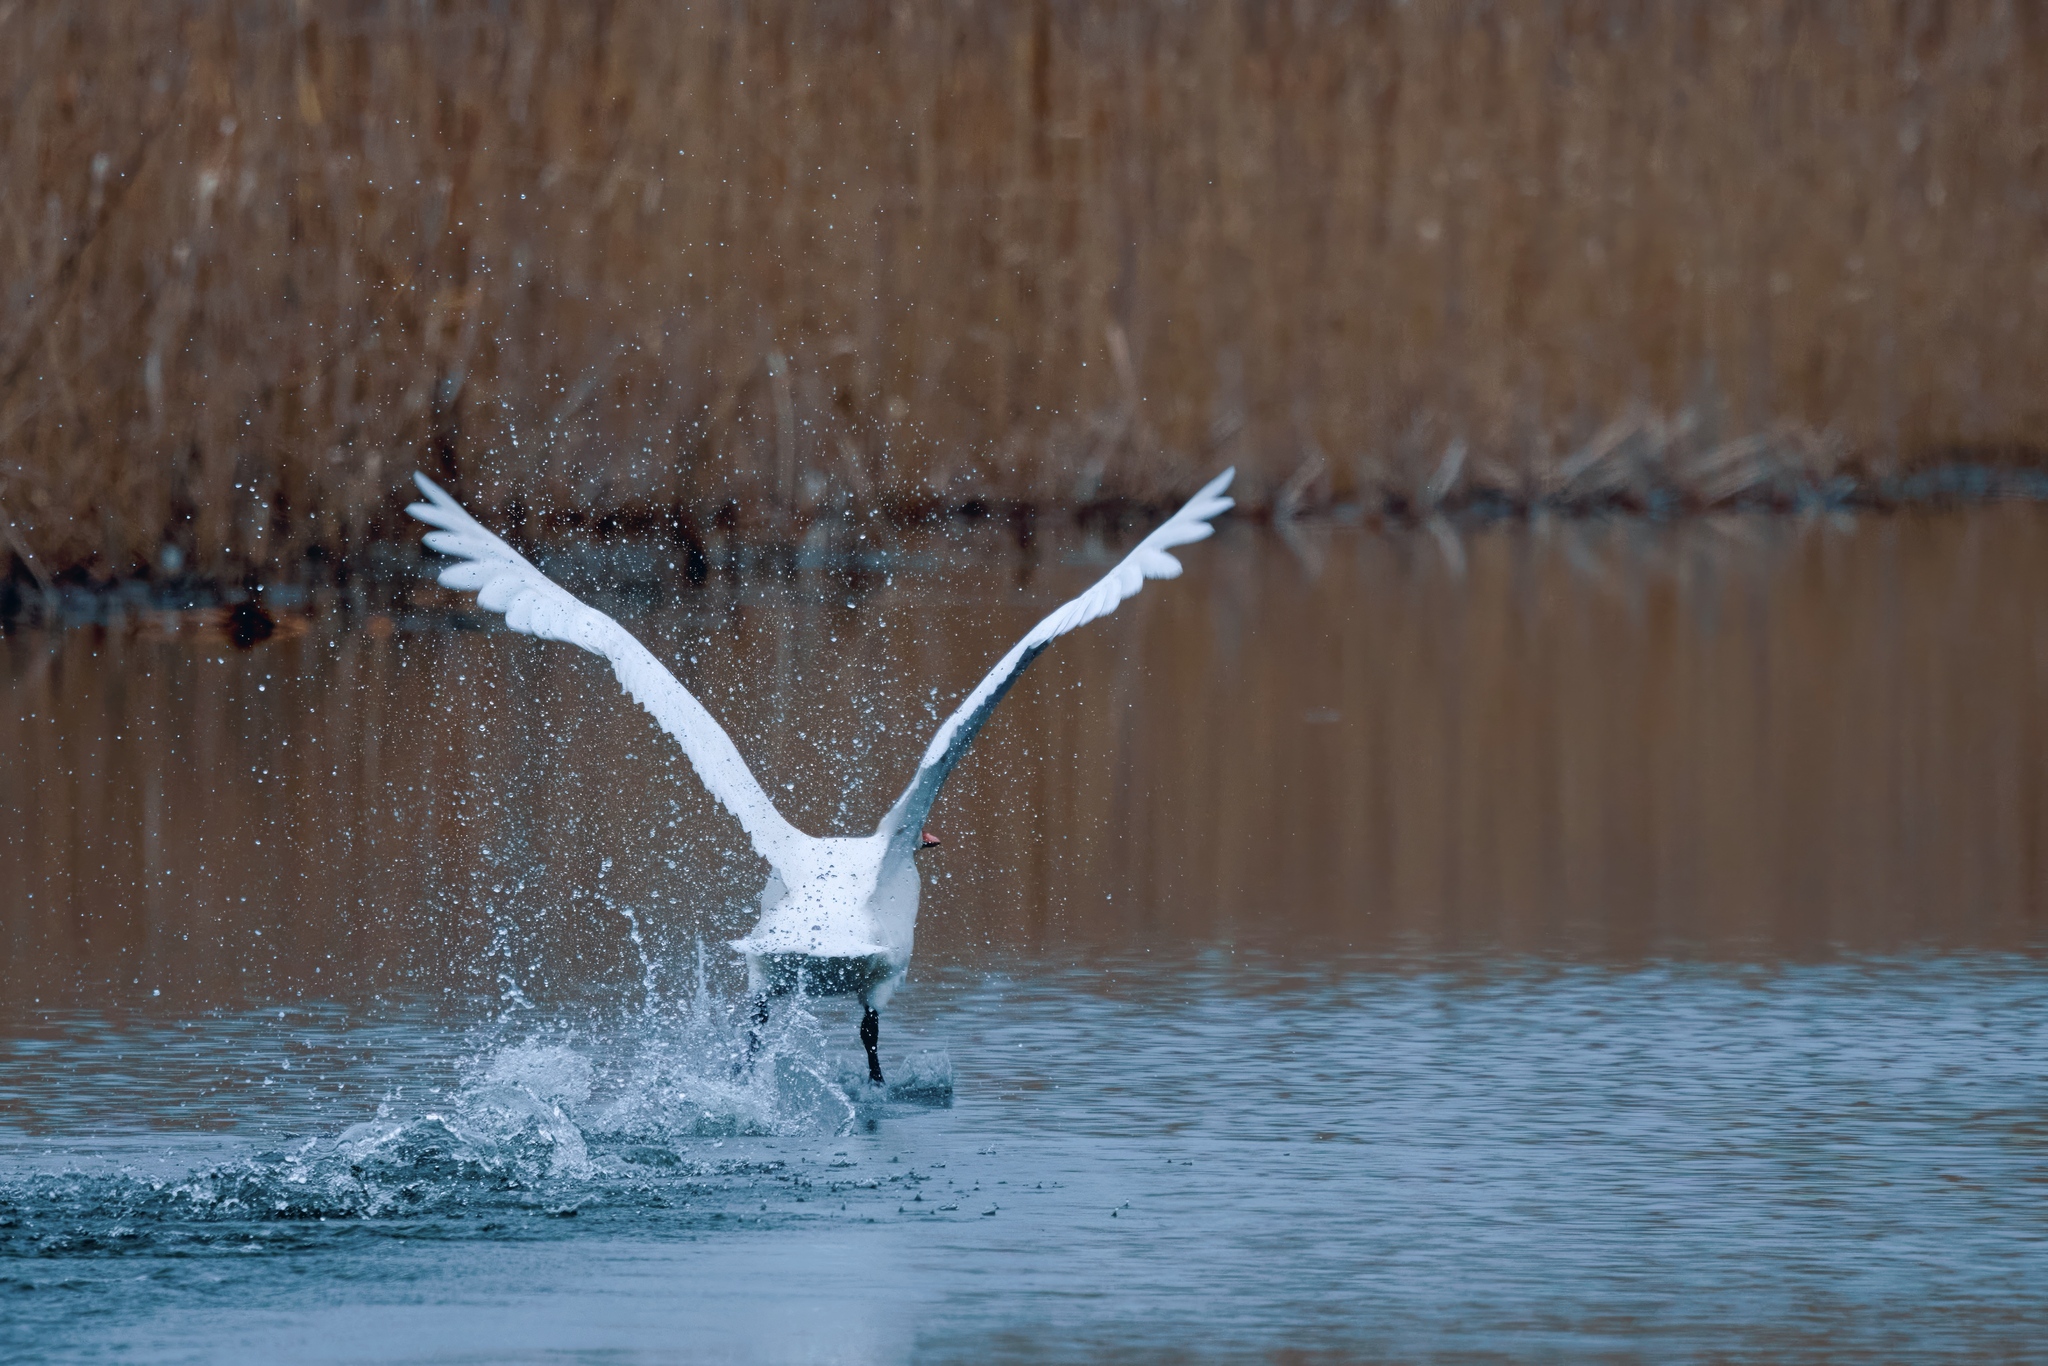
(1562, 949)
(1201, 1154)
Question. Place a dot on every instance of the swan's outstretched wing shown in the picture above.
(536, 605)
(905, 821)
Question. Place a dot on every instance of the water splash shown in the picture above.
(543, 1122)
(649, 989)
(692, 1079)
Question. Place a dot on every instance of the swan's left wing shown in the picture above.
(1151, 560)
(535, 605)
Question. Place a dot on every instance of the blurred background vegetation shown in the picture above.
(645, 264)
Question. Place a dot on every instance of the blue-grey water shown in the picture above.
(1555, 950)
(1199, 1156)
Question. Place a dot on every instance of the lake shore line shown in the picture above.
(391, 578)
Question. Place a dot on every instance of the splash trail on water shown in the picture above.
(542, 1121)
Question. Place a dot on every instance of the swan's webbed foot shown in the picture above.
(871, 1039)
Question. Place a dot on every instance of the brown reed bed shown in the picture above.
(659, 264)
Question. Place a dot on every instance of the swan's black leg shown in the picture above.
(760, 1023)
(871, 1039)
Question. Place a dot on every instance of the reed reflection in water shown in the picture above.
(1755, 738)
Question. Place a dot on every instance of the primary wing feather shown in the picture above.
(535, 605)
(1151, 560)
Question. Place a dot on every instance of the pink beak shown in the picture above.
(927, 840)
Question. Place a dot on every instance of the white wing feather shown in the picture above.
(1150, 560)
(535, 605)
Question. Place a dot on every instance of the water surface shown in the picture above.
(1561, 942)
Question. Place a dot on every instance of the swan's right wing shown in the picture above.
(1151, 560)
(535, 605)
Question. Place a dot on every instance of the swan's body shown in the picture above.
(838, 914)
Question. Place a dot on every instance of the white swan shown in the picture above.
(838, 913)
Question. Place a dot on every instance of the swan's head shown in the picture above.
(928, 841)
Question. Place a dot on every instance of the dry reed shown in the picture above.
(649, 260)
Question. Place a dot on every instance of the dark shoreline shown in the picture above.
(630, 555)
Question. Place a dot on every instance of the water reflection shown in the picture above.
(1756, 739)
